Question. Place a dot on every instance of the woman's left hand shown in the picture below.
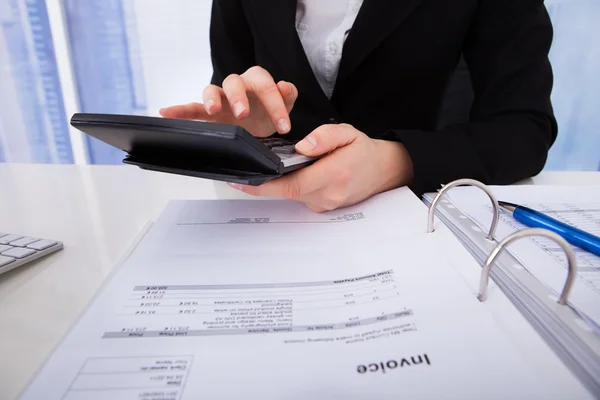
(357, 168)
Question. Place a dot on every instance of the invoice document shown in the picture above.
(576, 206)
(266, 299)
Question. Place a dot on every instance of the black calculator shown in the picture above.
(194, 148)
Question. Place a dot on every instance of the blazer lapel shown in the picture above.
(375, 20)
(275, 22)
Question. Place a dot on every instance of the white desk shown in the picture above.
(96, 211)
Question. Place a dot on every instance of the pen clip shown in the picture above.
(572, 267)
(467, 182)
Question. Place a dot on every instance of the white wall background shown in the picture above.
(575, 58)
(167, 61)
(174, 47)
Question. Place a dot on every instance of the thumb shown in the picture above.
(327, 138)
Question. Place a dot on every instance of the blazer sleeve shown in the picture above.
(511, 125)
(232, 47)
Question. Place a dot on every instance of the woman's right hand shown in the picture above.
(252, 100)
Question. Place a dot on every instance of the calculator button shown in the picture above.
(18, 252)
(277, 142)
(9, 238)
(284, 150)
(23, 242)
(5, 260)
(41, 244)
(273, 143)
(4, 247)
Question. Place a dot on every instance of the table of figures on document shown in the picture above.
(198, 310)
(584, 216)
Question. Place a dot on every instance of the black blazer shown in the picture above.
(396, 68)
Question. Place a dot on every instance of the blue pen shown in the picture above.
(536, 219)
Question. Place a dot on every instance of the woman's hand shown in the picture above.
(252, 100)
(357, 168)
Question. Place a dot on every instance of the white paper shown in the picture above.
(579, 207)
(266, 299)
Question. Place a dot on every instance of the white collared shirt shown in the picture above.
(323, 26)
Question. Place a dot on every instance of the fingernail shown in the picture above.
(209, 104)
(238, 109)
(284, 126)
(307, 144)
(235, 185)
(291, 89)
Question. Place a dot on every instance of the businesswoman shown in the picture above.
(364, 83)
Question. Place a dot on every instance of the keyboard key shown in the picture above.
(23, 242)
(9, 238)
(18, 252)
(5, 260)
(41, 244)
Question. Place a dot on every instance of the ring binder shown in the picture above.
(572, 334)
(469, 182)
(572, 267)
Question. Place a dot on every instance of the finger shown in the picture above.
(186, 111)
(315, 202)
(327, 138)
(293, 186)
(326, 199)
(212, 99)
(290, 94)
(235, 89)
(264, 88)
(316, 208)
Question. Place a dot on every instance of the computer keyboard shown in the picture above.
(18, 250)
(286, 150)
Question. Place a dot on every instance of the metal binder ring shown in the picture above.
(572, 272)
(470, 182)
